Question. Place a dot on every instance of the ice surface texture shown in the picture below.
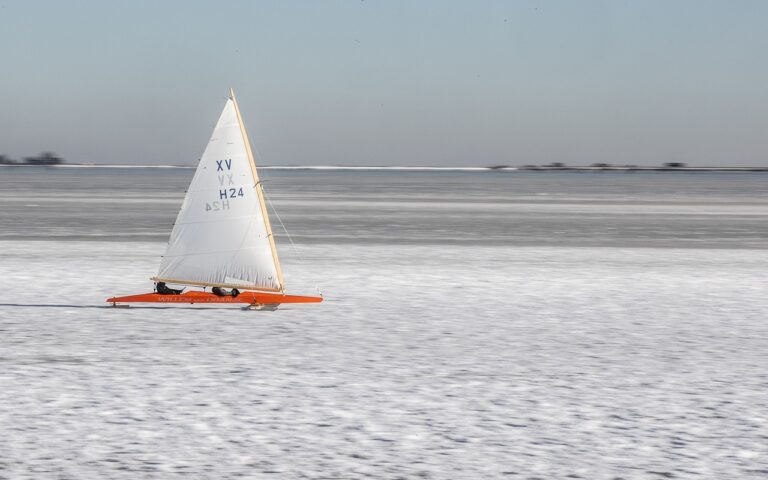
(455, 362)
(433, 208)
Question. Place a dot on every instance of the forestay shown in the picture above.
(222, 235)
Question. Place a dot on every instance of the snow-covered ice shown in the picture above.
(456, 362)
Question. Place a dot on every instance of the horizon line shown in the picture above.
(509, 168)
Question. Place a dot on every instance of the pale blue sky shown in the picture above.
(389, 83)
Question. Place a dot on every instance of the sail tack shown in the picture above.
(222, 236)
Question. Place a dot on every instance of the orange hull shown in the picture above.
(250, 298)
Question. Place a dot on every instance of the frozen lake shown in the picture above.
(477, 325)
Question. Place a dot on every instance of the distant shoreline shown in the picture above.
(428, 168)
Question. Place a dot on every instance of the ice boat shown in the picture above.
(222, 238)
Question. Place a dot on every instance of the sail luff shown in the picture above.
(259, 191)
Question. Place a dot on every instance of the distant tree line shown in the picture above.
(563, 166)
(45, 158)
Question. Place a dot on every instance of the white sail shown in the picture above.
(222, 235)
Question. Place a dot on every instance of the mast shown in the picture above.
(259, 191)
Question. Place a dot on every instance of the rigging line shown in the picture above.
(285, 229)
(264, 175)
(257, 159)
(290, 239)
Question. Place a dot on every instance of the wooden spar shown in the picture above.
(207, 284)
(259, 192)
